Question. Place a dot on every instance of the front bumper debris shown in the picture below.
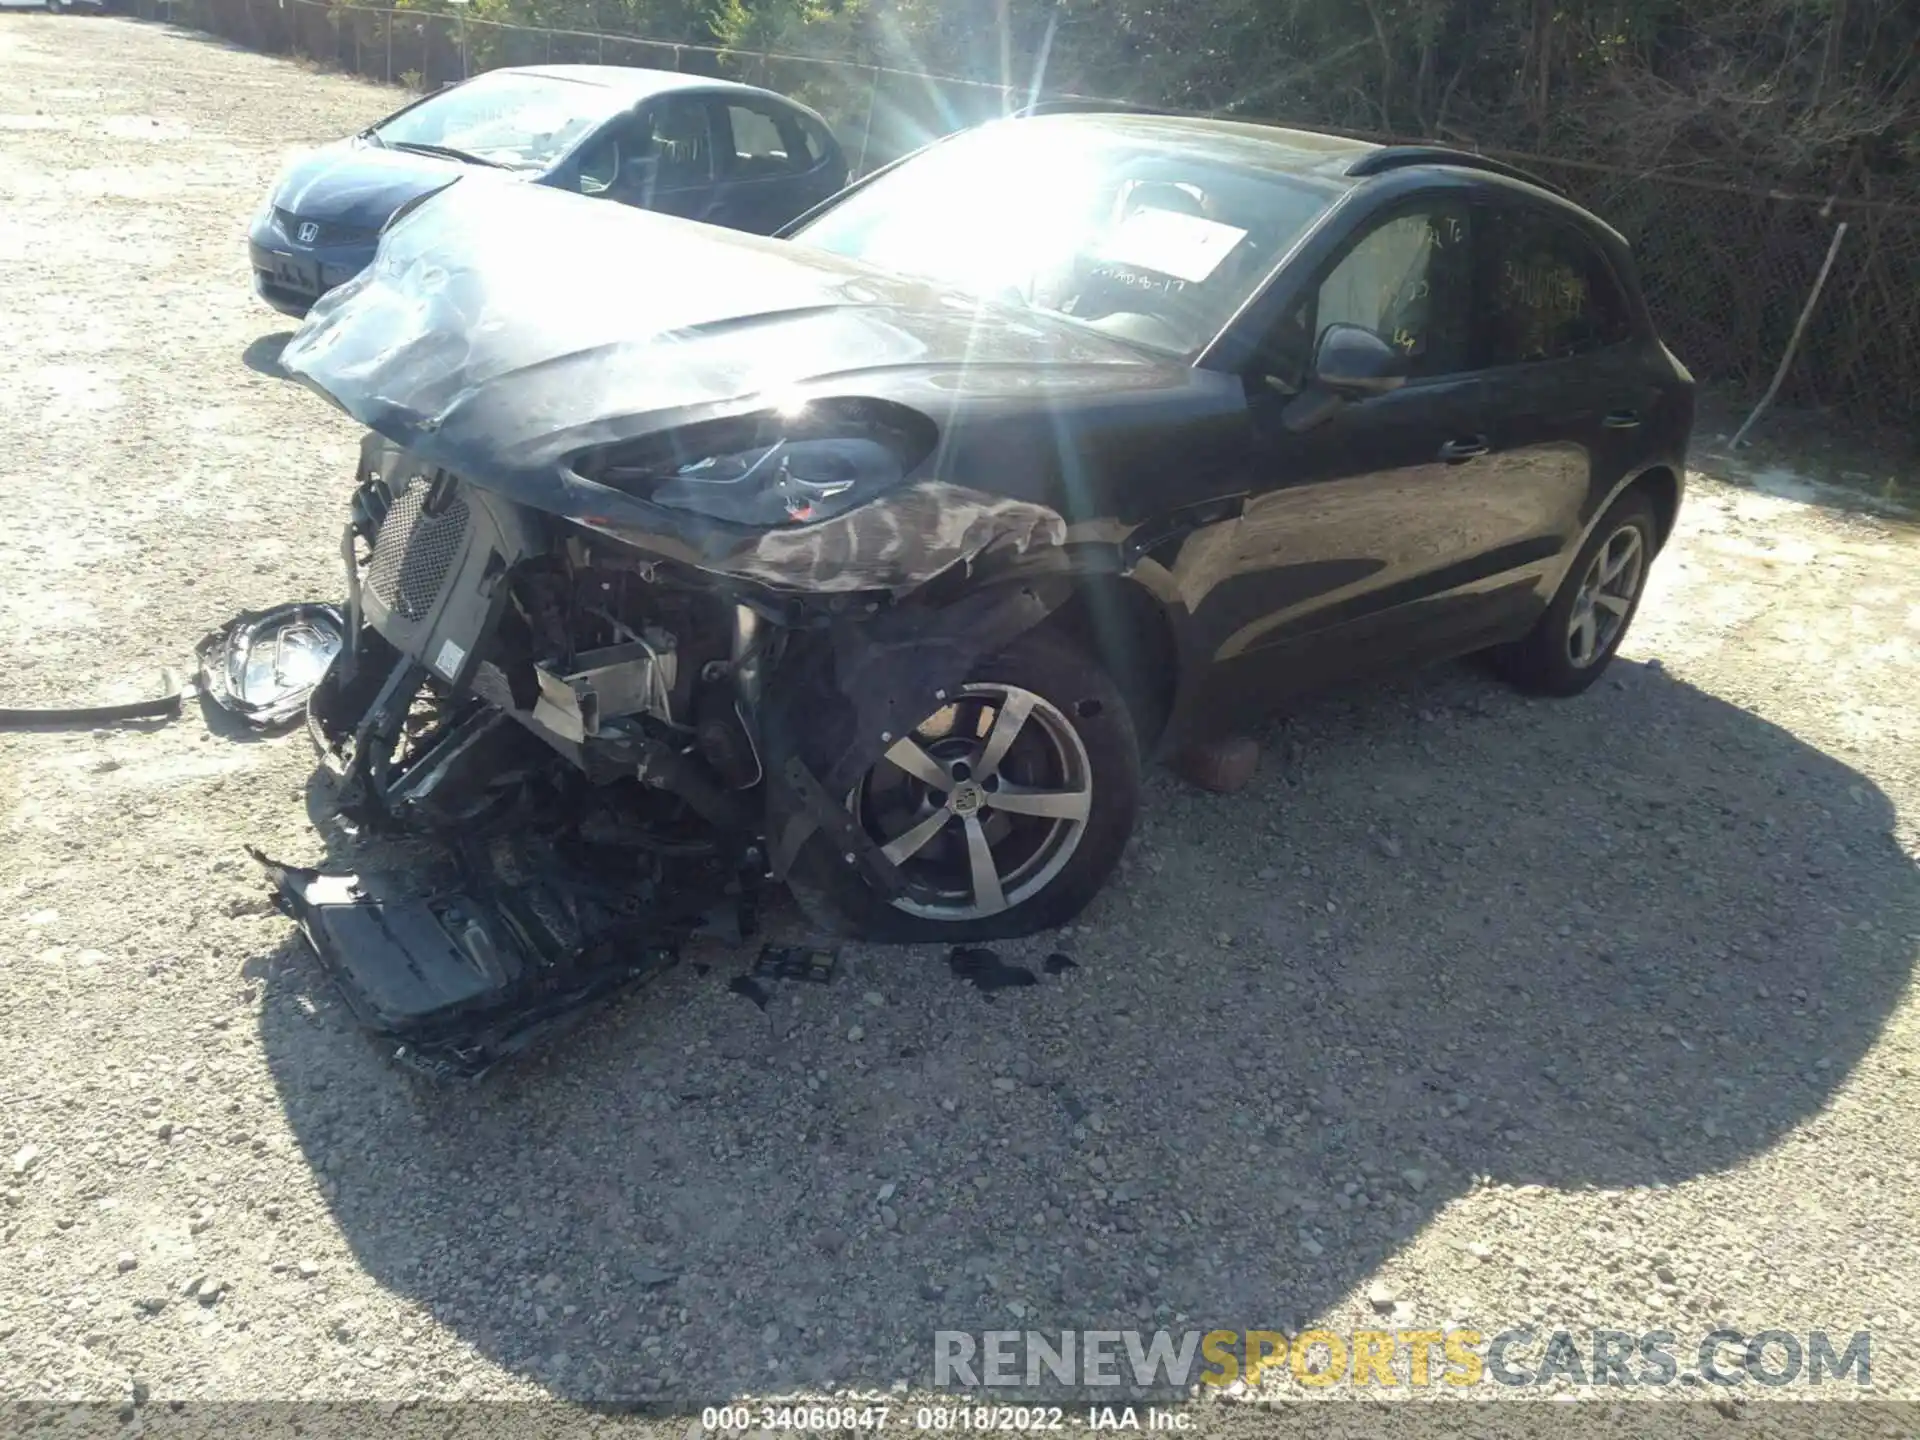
(510, 950)
(165, 707)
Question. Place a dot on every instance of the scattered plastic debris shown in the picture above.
(796, 962)
(746, 985)
(527, 932)
(987, 970)
(165, 707)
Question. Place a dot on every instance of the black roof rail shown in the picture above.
(1399, 157)
(1076, 106)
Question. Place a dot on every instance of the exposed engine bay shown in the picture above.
(588, 731)
(477, 625)
(590, 649)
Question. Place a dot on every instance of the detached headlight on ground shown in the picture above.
(774, 469)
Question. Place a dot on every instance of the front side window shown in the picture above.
(680, 144)
(668, 146)
(813, 140)
(1550, 294)
(522, 122)
(1408, 279)
(1150, 230)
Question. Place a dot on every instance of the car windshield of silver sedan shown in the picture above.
(516, 121)
(1156, 239)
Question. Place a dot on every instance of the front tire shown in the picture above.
(1576, 639)
(1009, 806)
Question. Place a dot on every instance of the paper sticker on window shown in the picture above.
(1186, 247)
(450, 659)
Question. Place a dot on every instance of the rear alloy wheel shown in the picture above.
(1007, 808)
(1583, 627)
(1605, 597)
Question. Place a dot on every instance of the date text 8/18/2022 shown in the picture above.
(940, 1418)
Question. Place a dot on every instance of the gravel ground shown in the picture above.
(1471, 1008)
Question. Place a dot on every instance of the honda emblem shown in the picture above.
(307, 233)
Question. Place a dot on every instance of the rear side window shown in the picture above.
(1549, 292)
(755, 136)
(767, 143)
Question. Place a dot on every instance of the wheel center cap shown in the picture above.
(967, 798)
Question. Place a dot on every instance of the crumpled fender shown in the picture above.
(832, 711)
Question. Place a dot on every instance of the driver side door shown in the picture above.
(1366, 517)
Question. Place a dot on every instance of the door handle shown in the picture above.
(1455, 452)
(1622, 420)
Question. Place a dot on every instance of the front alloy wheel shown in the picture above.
(983, 804)
(1007, 808)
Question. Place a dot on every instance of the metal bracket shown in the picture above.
(349, 658)
(365, 775)
(853, 844)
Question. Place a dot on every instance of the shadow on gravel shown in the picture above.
(229, 727)
(1449, 933)
(262, 356)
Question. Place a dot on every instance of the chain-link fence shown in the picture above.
(1727, 270)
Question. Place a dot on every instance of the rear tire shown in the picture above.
(1072, 763)
(1576, 638)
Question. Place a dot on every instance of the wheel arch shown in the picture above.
(1130, 630)
(1662, 485)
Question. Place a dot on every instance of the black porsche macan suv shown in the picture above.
(1068, 441)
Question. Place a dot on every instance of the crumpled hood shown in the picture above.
(502, 321)
(356, 184)
(503, 328)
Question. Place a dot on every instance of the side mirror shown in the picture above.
(1353, 361)
(1350, 363)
